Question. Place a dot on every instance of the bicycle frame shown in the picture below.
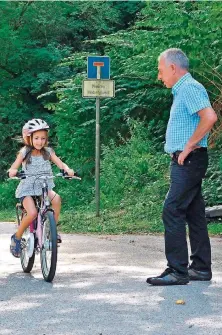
(45, 204)
(42, 205)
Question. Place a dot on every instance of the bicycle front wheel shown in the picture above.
(48, 253)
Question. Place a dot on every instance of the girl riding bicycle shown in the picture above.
(35, 159)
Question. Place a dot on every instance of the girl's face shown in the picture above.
(39, 139)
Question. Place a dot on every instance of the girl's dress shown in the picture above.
(32, 185)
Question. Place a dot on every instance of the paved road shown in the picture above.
(100, 289)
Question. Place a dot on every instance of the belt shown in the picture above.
(201, 149)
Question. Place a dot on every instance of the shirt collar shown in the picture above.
(176, 86)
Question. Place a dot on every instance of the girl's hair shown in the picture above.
(29, 148)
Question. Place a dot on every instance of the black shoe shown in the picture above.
(199, 275)
(169, 277)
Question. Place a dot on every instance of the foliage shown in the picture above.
(131, 169)
(134, 182)
(139, 96)
(43, 62)
(7, 191)
(213, 183)
(35, 37)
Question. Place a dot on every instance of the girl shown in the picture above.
(35, 158)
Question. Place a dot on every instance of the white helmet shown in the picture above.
(33, 125)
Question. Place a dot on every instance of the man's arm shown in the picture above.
(208, 117)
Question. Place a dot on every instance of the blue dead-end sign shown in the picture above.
(92, 64)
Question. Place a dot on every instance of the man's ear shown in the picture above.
(173, 67)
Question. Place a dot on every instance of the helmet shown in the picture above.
(33, 125)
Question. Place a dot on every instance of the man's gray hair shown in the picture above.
(175, 56)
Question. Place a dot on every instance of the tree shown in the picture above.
(139, 95)
(35, 37)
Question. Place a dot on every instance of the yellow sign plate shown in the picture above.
(98, 88)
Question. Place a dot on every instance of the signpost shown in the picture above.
(98, 86)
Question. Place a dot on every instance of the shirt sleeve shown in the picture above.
(195, 98)
(49, 150)
(23, 152)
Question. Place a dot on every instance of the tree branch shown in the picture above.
(13, 74)
(24, 9)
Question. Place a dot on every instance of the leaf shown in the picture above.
(180, 302)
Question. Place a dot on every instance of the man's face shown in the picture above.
(166, 73)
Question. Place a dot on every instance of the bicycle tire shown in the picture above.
(49, 246)
(26, 261)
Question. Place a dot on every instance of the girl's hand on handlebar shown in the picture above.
(70, 172)
(12, 173)
(65, 174)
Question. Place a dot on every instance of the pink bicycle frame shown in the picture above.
(38, 229)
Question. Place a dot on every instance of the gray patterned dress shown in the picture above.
(32, 185)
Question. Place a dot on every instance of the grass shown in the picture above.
(115, 222)
(7, 215)
(119, 221)
(215, 228)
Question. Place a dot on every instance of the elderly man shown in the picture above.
(191, 119)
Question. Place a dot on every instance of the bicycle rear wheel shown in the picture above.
(27, 257)
(48, 253)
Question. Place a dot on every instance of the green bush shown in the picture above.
(134, 182)
(7, 192)
(212, 185)
(134, 175)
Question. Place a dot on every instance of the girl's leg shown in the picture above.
(29, 205)
(56, 203)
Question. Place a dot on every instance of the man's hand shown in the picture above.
(183, 155)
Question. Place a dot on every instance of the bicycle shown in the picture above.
(41, 235)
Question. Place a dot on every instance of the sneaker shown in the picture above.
(168, 277)
(15, 247)
(199, 275)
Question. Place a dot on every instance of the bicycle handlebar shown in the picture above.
(19, 175)
(63, 174)
(66, 176)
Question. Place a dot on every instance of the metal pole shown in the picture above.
(98, 149)
(97, 156)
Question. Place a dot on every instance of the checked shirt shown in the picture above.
(189, 97)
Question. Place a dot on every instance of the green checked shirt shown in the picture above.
(189, 98)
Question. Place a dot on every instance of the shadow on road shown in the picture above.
(100, 288)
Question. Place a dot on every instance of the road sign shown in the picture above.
(98, 89)
(98, 86)
(93, 62)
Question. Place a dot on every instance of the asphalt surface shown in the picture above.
(100, 289)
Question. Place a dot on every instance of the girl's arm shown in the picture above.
(14, 168)
(55, 159)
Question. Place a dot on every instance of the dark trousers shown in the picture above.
(184, 204)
